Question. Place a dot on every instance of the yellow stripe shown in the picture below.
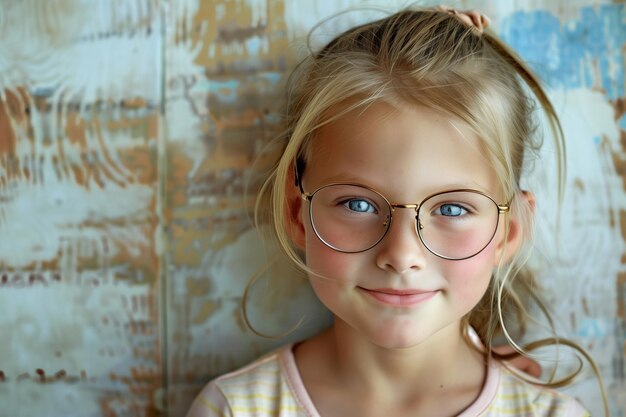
(261, 396)
(228, 384)
(265, 410)
(521, 397)
(543, 400)
(266, 373)
(524, 409)
(515, 396)
(501, 410)
(516, 384)
(211, 407)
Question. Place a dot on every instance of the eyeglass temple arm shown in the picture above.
(298, 168)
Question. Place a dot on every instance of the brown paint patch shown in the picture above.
(619, 106)
(585, 306)
(141, 259)
(98, 163)
(235, 26)
(42, 104)
(178, 166)
(134, 103)
(11, 165)
(622, 223)
(191, 231)
(144, 354)
(142, 163)
(42, 375)
(198, 287)
(621, 294)
(14, 109)
(14, 112)
(234, 34)
(579, 185)
(208, 307)
(27, 278)
(75, 129)
(7, 144)
(144, 374)
(619, 161)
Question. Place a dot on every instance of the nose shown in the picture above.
(401, 250)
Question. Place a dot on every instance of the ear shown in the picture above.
(515, 237)
(293, 221)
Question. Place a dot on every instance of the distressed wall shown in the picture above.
(80, 207)
(129, 134)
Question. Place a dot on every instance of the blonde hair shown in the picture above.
(427, 58)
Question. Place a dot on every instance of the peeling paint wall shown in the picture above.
(79, 192)
(133, 135)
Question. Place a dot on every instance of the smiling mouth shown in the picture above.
(399, 298)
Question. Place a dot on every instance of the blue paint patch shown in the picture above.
(622, 122)
(273, 119)
(272, 77)
(253, 45)
(593, 329)
(226, 90)
(575, 53)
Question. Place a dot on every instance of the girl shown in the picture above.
(399, 182)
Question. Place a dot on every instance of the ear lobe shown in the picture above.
(515, 236)
(293, 221)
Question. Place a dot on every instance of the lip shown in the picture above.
(400, 298)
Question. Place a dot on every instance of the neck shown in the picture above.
(345, 374)
(444, 357)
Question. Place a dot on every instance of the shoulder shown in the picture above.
(516, 396)
(259, 389)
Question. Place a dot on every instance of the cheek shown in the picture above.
(470, 278)
(329, 273)
(324, 260)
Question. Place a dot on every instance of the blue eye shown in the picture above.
(360, 206)
(451, 210)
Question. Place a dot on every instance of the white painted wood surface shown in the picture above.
(128, 130)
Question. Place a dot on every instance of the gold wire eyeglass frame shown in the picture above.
(502, 208)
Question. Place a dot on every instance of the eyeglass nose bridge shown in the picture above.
(409, 206)
(413, 206)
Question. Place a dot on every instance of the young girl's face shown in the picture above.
(397, 294)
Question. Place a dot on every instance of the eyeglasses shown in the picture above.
(454, 225)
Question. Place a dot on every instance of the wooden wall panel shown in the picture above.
(578, 50)
(79, 269)
(130, 131)
(226, 65)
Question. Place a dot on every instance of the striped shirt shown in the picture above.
(272, 387)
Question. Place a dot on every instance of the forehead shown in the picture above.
(406, 149)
